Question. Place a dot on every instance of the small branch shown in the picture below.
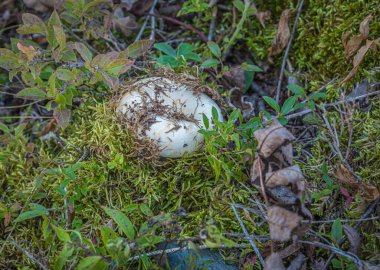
(151, 11)
(28, 254)
(352, 257)
(307, 111)
(172, 250)
(249, 237)
(287, 51)
(189, 27)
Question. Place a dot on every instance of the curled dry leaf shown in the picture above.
(370, 192)
(263, 16)
(271, 138)
(289, 250)
(370, 44)
(126, 24)
(282, 222)
(353, 237)
(352, 44)
(283, 195)
(283, 34)
(288, 176)
(274, 262)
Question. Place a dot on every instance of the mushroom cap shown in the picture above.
(168, 113)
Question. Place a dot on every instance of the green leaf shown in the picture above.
(107, 234)
(210, 63)
(215, 114)
(32, 93)
(337, 231)
(205, 121)
(184, 48)
(64, 74)
(165, 48)
(318, 95)
(239, 5)
(288, 105)
(63, 257)
(119, 66)
(192, 56)
(84, 52)
(4, 128)
(249, 67)
(296, 89)
(248, 79)
(88, 263)
(62, 234)
(60, 36)
(271, 102)
(31, 214)
(8, 59)
(32, 24)
(167, 60)
(124, 223)
(214, 48)
(137, 48)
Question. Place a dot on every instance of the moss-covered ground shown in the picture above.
(95, 162)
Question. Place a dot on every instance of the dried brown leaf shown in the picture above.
(297, 263)
(263, 16)
(283, 34)
(370, 44)
(271, 138)
(347, 178)
(289, 250)
(274, 262)
(127, 25)
(364, 27)
(283, 195)
(282, 222)
(351, 45)
(288, 176)
(62, 116)
(353, 237)
(7, 219)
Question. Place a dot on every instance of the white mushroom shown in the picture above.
(168, 113)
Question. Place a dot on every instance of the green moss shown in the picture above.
(114, 175)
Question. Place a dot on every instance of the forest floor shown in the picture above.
(289, 179)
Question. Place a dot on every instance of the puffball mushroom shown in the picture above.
(168, 113)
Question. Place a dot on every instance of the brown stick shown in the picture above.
(189, 27)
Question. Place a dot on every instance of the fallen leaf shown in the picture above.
(271, 138)
(282, 222)
(274, 262)
(351, 45)
(370, 44)
(288, 176)
(289, 250)
(62, 116)
(353, 237)
(282, 195)
(298, 262)
(369, 191)
(283, 34)
(126, 24)
(263, 16)
(7, 219)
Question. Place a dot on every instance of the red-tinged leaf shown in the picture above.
(110, 80)
(119, 66)
(347, 195)
(32, 24)
(137, 48)
(29, 51)
(62, 116)
(84, 52)
(103, 60)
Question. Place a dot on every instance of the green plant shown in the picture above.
(230, 145)
(58, 73)
(193, 6)
(176, 58)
